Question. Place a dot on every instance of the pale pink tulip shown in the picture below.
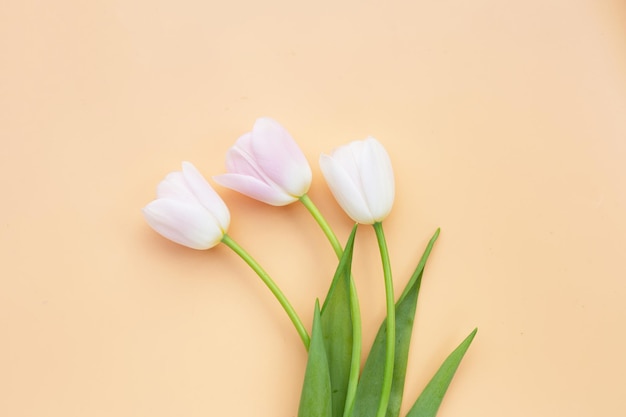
(267, 165)
(187, 210)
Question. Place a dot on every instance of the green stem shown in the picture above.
(228, 241)
(355, 364)
(391, 321)
(330, 235)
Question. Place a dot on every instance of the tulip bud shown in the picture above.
(187, 210)
(267, 165)
(360, 177)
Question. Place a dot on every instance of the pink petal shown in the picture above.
(240, 161)
(186, 224)
(255, 188)
(175, 187)
(244, 142)
(206, 195)
(279, 157)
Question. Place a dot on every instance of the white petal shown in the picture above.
(184, 223)
(346, 192)
(347, 156)
(377, 178)
(255, 188)
(206, 195)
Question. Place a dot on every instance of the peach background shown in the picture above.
(506, 124)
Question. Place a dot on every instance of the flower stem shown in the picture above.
(228, 241)
(355, 312)
(330, 235)
(391, 321)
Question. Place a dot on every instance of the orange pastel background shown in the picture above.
(506, 125)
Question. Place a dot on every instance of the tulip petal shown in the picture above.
(206, 195)
(279, 157)
(348, 157)
(244, 142)
(277, 171)
(184, 223)
(175, 187)
(254, 188)
(377, 178)
(346, 191)
(239, 160)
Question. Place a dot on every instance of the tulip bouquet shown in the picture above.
(266, 164)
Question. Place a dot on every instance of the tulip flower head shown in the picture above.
(360, 177)
(267, 165)
(187, 210)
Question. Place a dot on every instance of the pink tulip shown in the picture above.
(187, 210)
(267, 165)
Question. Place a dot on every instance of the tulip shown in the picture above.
(187, 210)
(360, 177)
(267, 165)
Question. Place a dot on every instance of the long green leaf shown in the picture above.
(430, 399)
(370, 385)
(337, 326)
(315, 400)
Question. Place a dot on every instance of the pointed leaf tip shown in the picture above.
(430, 399)
(369, 388)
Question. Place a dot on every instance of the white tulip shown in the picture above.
(360, 177)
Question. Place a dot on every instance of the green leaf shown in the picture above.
(337, 325)
(430, 399)
(315, 400)
(370, 386)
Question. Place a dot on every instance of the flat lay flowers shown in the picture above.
(266, 164)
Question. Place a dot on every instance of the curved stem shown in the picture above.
(330, 235)
(267, 280)
(355, 364)
(391, 322)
